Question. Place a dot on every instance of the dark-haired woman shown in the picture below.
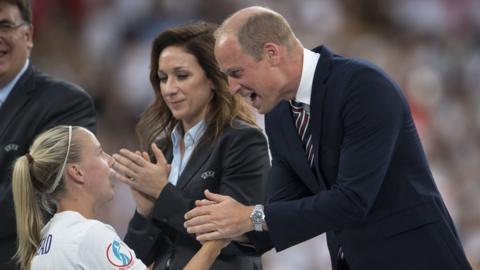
(209, 140)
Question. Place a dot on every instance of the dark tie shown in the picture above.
(302, 118)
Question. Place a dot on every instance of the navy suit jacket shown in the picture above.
(237, 165)
(370, 188)
(37, 103)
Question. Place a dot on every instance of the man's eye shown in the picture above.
(235, 74)
(5, 26)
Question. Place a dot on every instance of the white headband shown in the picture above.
(60, 173)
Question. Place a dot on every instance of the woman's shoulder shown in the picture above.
(240, 130)
(99, 233)
(240, 126)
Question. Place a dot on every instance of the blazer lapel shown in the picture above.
(317, 104)
(295, 149)
(16, 100)
(197, 159)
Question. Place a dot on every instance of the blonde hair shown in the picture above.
(37, 184)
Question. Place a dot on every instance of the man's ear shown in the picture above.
(29, 36)
(75, 173)
(271, 52)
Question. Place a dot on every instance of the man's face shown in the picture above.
(248, 77)
(15, 42)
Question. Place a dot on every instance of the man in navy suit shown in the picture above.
(30, 102)
(346, 157)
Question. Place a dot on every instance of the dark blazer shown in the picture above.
(237, 165)
(36, 103)
(370, 188)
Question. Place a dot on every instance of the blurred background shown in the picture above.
(430, 47)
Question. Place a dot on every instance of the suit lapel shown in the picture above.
(296, 154)
(18, 98)
(317, 104)
(197, 159)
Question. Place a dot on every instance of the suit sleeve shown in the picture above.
(372, 116)
(282, 185)
(245, 165)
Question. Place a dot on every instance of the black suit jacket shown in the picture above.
(237, 165)
(36, 103)
(370, 188)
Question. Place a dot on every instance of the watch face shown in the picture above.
(257, 217)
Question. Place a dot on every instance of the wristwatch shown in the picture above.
(258, 217)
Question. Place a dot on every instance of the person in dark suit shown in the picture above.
(346, 156)
(208, 140)
(30, 102)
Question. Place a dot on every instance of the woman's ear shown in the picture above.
(75, 173)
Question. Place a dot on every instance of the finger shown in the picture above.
(134, 158)
(201, 229)
(158, 154)
(204, 202)
(215, 197)
(215, 235)
(146, 156)
(120, 168)
(124, 179)
(194, 225)
(126, 162)
(197, 211)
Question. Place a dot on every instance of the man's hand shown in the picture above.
(136, 170)
(218, 217)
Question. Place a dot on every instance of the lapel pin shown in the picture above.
(207, 174)
(11, 147)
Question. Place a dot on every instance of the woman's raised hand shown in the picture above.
(136, 170)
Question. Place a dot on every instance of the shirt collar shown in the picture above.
(310, 60)
(192, 136)
(5, 91)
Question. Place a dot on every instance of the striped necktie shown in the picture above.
(302, 118)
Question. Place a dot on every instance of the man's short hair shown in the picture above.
(263, 28)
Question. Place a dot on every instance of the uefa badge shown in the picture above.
(119, 255)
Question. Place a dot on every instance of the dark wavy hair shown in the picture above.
(157, 120)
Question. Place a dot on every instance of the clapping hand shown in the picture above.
(136, 170)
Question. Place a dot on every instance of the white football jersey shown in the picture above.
(70, 241)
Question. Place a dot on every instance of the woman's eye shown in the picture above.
(182, 77)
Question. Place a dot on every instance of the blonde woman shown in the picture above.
(66, 169)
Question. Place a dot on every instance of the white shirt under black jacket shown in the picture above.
(70, 241)
(310, 60)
